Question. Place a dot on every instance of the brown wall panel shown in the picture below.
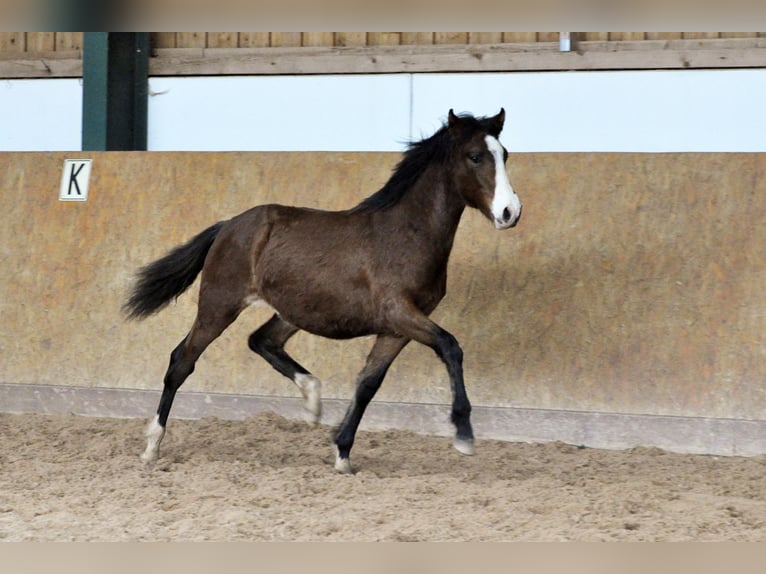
(67, 41)
(634, 282)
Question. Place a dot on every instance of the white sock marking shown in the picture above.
(311, 389)
(154, 433)
(342, 465)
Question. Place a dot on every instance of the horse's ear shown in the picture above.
(496, 123)
(452, 119)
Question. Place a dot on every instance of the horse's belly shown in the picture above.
(324, 318)
(330, 309)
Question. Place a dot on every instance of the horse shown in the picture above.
(379, 268)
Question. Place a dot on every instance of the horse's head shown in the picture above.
(479, 168)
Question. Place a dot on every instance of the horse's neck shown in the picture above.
(436, 208)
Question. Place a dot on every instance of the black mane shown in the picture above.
(418, 156)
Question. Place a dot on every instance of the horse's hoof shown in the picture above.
(465, 446)
(149, 457)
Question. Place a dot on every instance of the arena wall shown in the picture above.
(633, 287)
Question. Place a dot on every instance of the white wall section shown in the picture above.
(635, 111)
(279, 113)
(40, 115)
(631, 111)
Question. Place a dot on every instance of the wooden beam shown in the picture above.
(44, 65)
(662, 52)
(637, 55)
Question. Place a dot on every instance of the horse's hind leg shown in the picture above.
(383, 353)
(269, 342)
(182, 360)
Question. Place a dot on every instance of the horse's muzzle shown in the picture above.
(508, 219)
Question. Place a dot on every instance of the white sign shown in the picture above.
(74, 180)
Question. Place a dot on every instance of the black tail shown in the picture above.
(165, 279)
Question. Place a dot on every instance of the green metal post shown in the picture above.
(95, 73)
(115, 91)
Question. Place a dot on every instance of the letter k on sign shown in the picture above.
(74, 180)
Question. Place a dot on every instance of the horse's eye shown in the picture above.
(475, 157)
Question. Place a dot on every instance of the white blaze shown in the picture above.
(505, 197)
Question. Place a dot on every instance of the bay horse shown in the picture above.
(379, 268)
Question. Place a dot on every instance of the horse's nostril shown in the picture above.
(506, 215)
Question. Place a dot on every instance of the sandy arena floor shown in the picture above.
(69, 478)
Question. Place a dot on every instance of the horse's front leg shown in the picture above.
(383, 353)
(448, 349)
(410, 321)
